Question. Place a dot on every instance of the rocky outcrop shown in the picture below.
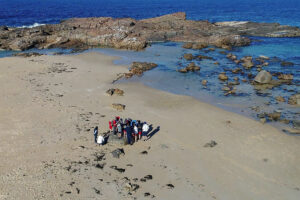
(127, 33)
(188, 56)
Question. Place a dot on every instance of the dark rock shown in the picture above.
(286, 64)
(190, 68)
(170, 186)
(275, 116)
(121, 170)
(144, 152)
(118, 152)
(211, 144)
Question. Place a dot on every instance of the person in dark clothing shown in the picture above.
(128, 130)
(140, 129)
(96, 133)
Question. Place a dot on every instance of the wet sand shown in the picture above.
(50, 104)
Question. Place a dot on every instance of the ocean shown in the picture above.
(20, 13)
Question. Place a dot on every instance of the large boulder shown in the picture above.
(263, 77)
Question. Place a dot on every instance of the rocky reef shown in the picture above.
(127, 33)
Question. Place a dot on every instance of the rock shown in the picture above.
(211, 49)
(202, 57)
(118, 106)
(286, 64)
(231, 56)
(128, 33)
(248, 64)
(121, 170)
(223, 77)
(216, 63)
(118, 152)
(190, 68)
(131, 187)
(236, 71)
(187, 45)
(25, 55)
(188, 56)
(170, 186)
(280, 99)
(204, 82)
(211, 144)
(263, 77)
(275, 116)
(138, 68)
(116, 91)
(285, 76)
(226, 89)
(294, 100)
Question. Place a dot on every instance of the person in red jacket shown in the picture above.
(110, 126)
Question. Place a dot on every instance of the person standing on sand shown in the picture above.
(136, 132)
(145, 130)
(140, 130)
(96, 133)
(128, 131)
(110, 126)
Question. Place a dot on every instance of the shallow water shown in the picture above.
(169, 58)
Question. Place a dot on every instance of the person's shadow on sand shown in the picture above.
(152, 132)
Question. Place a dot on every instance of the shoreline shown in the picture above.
(45, 119)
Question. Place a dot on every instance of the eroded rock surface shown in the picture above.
(127, 33)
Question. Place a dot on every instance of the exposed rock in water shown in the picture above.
(204, 82)
(223, 77)
(286, 64)
(116, 91)
(138, 68)
(280, 99)
(275, 116)
(202, 57)
(247, 62)
(25, 55)
(127, 33)
(195, 46)
(296, 124)
(190, 68)
(188, 56)
(285, 76)
(294, 100)
(263, 77)
(118, 106)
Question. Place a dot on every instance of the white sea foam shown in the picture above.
(31, 26)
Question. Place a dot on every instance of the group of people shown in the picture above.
(131, 130)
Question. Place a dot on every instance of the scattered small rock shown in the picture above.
(116, 91)
(118, 152)
(211, 144)
(144, 152)
(118, 106)
(170, 186)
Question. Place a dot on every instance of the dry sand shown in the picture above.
(50, 104)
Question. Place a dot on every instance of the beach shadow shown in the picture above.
(152, 132)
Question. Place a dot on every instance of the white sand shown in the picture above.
(41, 133)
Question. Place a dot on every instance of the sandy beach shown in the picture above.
(49, 106)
